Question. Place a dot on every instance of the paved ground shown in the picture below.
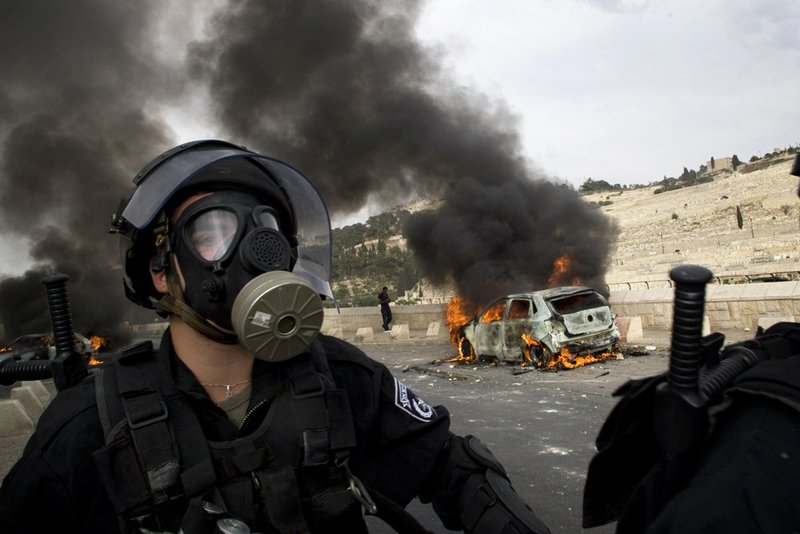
(541, 425)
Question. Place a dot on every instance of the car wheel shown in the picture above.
(542, 356)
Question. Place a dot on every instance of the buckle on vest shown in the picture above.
(141, 418)
(358, 489)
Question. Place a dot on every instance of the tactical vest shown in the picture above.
(289, 475)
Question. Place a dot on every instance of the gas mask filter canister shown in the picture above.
(277, 315)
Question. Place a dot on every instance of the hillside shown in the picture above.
(699, 225)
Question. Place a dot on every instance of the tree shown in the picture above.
(595, 186)
(735, 162)
(712, 163)
(739, 219)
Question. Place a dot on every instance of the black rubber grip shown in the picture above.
(687, 326)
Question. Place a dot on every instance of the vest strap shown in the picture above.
(280, 496)
(147, 420)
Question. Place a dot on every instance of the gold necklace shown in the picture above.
(228, 387)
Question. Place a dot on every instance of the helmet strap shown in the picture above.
(175, 303)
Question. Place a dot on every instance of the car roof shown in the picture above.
(552, 292)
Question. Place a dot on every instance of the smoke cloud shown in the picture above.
(345, 91)
(73, 127)
(341, 89)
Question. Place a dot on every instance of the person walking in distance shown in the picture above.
(386, 310)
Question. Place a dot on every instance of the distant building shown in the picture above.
(426, 293)
(720, 164)
(395, 241)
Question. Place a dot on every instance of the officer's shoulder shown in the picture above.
(339, 351)
(75, 406)
(132, 353)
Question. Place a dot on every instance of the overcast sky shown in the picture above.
(627, 91)
(630, 91)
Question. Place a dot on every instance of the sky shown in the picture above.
(630, 90)
(626, 91)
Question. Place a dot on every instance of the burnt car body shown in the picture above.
(41, 347)
(575, 318)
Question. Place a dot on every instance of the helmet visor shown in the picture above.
(313, 229)
(313, 224)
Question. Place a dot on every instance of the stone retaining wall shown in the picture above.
(418, 318)
(728, 307)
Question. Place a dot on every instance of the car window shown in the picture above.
(520, 309)
(494, 312)
(573, 303)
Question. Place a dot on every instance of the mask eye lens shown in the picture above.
(211, 233)
(265, 217)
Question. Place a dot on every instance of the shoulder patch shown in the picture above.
(406, 400)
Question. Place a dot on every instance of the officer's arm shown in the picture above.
(32, 498)
(471, 491)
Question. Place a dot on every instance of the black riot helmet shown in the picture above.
(263, 214)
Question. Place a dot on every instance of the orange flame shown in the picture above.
(456, 316)
(526, 352)
(565, 359)
(561, 275)
(495, 313)
(99, 343)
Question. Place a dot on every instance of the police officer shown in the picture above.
(245, 416)
(727, 462)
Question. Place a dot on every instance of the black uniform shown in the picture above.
(56, 487)
(743, 479)
(748, 479)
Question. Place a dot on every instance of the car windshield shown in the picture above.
(572, 303)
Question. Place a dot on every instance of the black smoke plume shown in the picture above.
(341, 89)
(346, 92)
(76, 79)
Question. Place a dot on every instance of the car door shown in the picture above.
(489, 330)
(517, 322)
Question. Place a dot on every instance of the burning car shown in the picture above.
(42, 347)
(557, 327)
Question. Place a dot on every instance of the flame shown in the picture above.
(99, 343)
(456, 316)
(526, 352)
(495, 313)
(561, 275)
(564, 360)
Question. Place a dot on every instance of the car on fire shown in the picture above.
(41, 347)
(539, 325)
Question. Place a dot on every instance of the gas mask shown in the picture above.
(235, 261)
